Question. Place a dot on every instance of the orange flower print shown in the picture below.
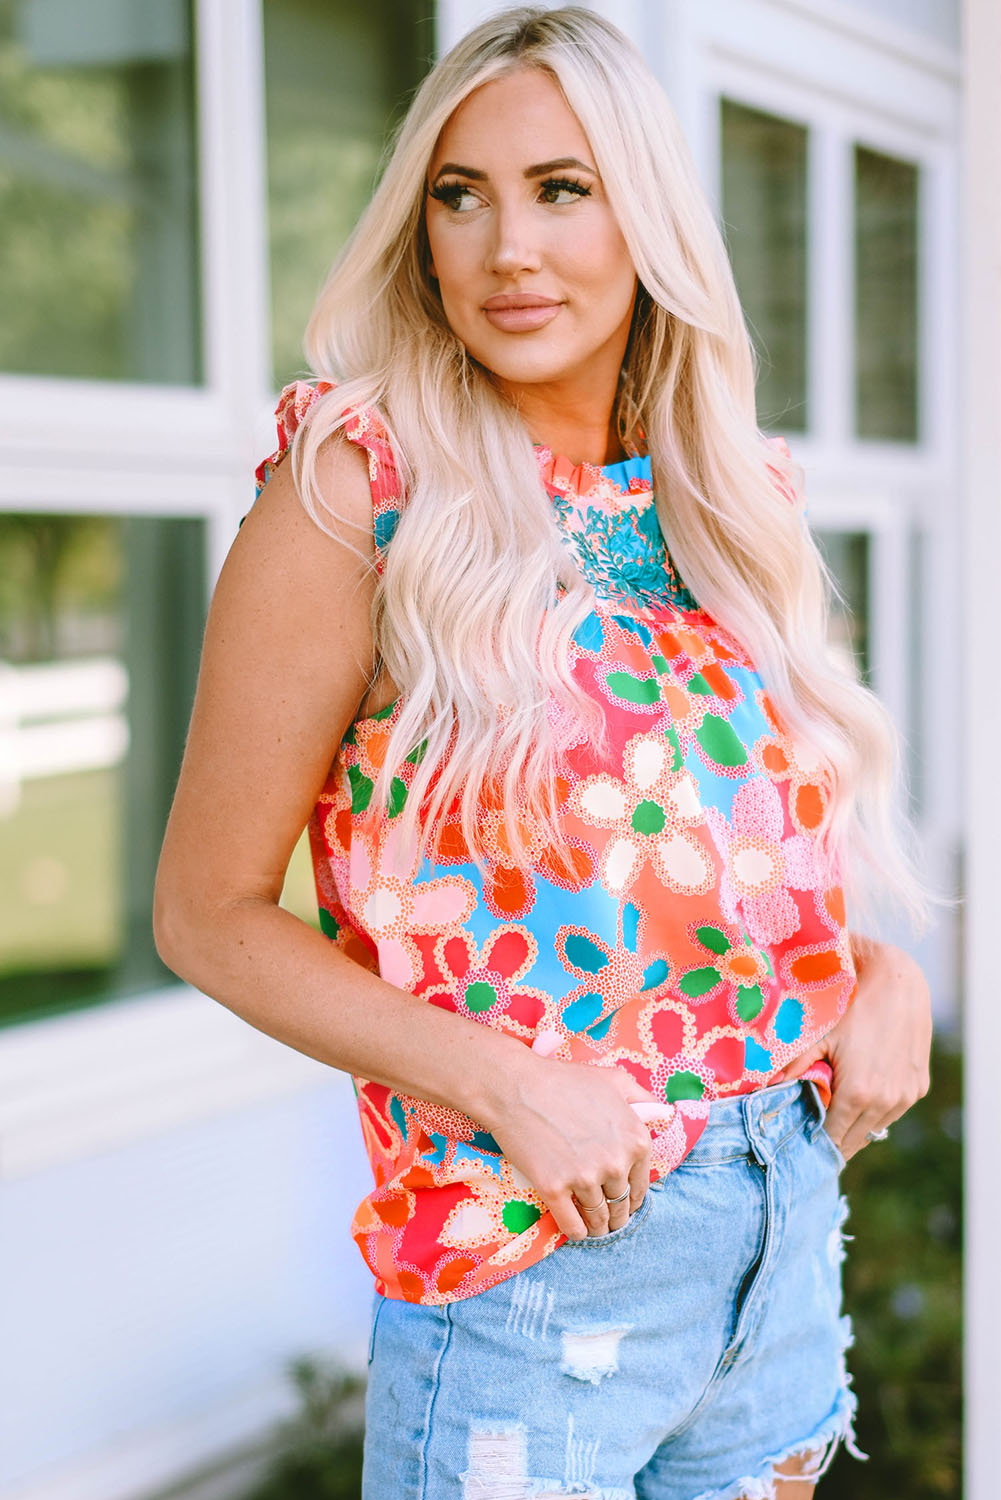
(784, 758)
(509, 890)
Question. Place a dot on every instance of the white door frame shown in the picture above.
(981, 332)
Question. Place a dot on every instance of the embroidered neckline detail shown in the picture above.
(607, 515)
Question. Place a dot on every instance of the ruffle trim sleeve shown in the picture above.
(364, 427)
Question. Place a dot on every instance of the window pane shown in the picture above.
(337, 76)
(764, 185)
(100, 628)
(847, 556)
(886, 296)
(98, 244)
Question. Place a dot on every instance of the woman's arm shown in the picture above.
(284, 667)
(879, 1051)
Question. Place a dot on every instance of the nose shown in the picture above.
(513, 245)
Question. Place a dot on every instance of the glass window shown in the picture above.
(98, 242)
(886, 296)
(100, 628)
(337, 77)
(764, 204)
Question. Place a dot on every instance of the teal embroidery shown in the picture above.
(618, 544)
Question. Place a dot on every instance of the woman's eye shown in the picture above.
(450, 193)
(566, 185)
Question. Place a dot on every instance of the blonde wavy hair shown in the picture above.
(479, 598)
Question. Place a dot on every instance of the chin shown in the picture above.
(524, 367)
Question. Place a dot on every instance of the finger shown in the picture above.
(836, 1139)
(595, 1215)
(797, 1067)
(618, 1213)
(839, 1120)
(857, 1137)
(568, 1218)
(639, 1181)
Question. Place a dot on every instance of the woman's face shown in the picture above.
(517, 210)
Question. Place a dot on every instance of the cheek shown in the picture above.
(618, 264)
(454, 264)
(598, 258)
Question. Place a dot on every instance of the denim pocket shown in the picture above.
(596, 1241)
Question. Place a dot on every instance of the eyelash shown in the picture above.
(446, 191)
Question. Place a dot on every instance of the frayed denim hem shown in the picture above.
(820, 1449)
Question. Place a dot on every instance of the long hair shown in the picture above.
(478, 601)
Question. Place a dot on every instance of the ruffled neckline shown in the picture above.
(626, 476)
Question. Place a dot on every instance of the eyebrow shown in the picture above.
(539, 170)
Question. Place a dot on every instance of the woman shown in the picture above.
(583, 809)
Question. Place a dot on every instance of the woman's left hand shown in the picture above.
(879, 1050)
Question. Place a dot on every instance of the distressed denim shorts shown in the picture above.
(680, 1357)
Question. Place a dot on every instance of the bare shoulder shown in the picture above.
(307, 579)
(345, 504)
(298, 594)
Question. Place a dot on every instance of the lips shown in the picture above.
(505, 300)
(519, 312)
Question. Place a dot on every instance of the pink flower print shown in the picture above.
(760, 864)
(651, 813)
(392, 910)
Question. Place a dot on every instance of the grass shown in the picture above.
(61, 872)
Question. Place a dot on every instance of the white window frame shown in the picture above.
(123, 448)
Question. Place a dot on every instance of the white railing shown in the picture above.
(59, 717)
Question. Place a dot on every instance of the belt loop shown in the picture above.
(751, 1109)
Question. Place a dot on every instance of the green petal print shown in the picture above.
(634, 689)
(720, 741)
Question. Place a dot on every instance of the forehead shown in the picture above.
(518, 118)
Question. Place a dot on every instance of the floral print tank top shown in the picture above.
(695, 944)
